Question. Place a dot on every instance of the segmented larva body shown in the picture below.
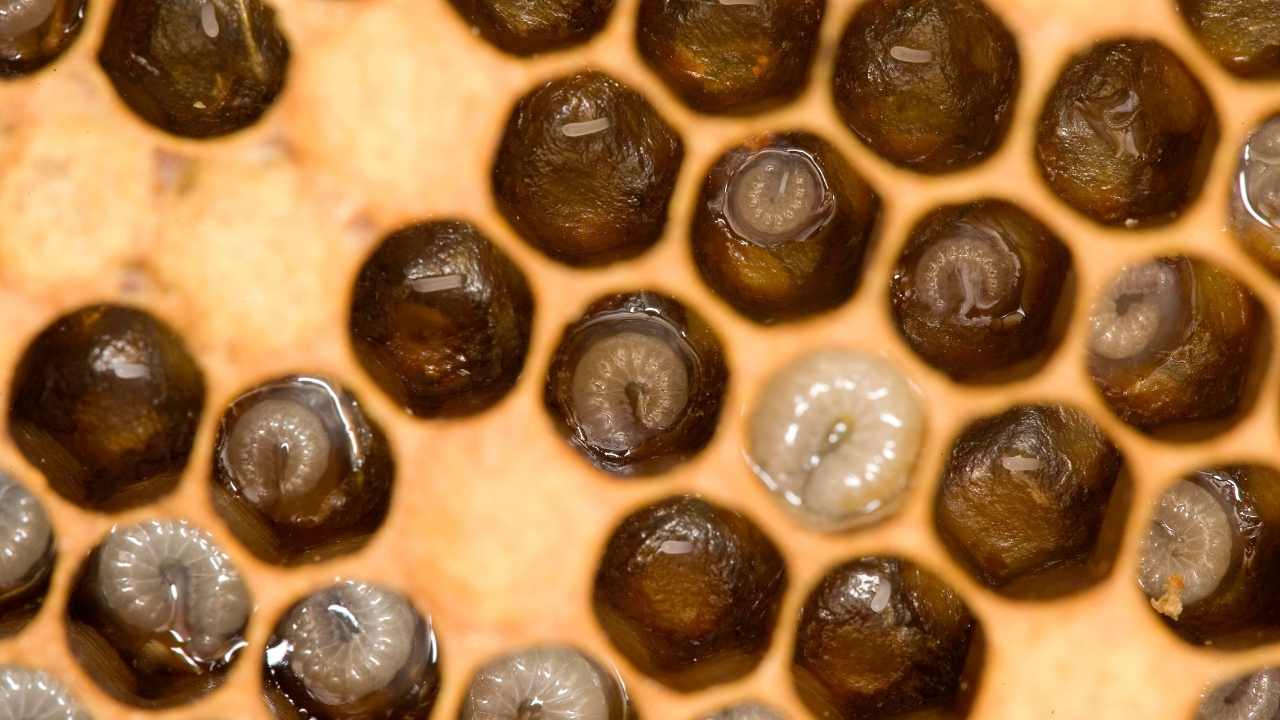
(350, 640)
(835, 435)
(167, 576)
(35, 695)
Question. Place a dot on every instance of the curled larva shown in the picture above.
(777, 196)
(20, 16)
(968, 274)
(629, 387)
(636, 383)
(169, 578)
(35, 695)
(278, 450)
(547, 683)
(1138, 312)
(301, 472)
(834, 436)
(1255, 196)
(26, 535)
(1187, 549)
(352, 651)
(1255, 696)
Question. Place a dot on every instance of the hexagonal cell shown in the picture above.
(1030, 500)
(300, 472)
(105, 402)
(195, 68)
(352, 650)
(1174, 345)
(27, 693)
(527, 28)
(636, 383)
(689, 592)
(882, 638)
(1254, 217)
(834, 436)
(1127, 133)
(157, 614)
(34, 33)
(585, 170)
(440, 318)
(27, 555)
(730, 56)
(1242, 35)
(1252, 696)
(547, 681)
(927, 84)
(978, 288)
(782, 225)
(1210, 556)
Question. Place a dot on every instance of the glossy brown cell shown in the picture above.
(157, 614)
(730, 57)
(1024, 496)
(1210, 556)
(440, 318)
(300, 472)
(688, 591)
(882, 638)
(636, 383)
(526, 28)
(105, 402)
(34, 33)
(1174, 340)
(195, 68)
(927, 84)
(978, 287)
(1126, 134)
(782, 225)
(352, 651)
(1254, 216)
(1242, 35)
(585, 169)
(27, 555)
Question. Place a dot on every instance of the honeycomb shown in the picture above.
(391, 112)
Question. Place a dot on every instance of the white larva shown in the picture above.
(1127, 318)
(35, 695)
(627, 388)
(350, 640)
(166, 576)
(547, 683)
(967, 274)
(25, 533)
(776, 196)
(835, 435)
(1187, 548)
(22, 16)
(278, 449)
(1252, 697)
(1258, 181)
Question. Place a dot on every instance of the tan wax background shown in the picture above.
(392, 110)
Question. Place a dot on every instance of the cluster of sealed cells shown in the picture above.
(1031, 501)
